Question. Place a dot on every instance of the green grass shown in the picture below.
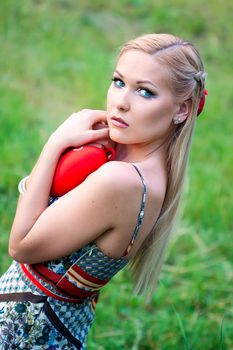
(56, 58)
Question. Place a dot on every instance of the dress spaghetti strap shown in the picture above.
(141, 213)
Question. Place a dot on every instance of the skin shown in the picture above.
(147, 107)
(112, 218)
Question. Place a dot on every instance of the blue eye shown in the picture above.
(145, 93)
(118, 82)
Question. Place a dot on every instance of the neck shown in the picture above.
(139, 153)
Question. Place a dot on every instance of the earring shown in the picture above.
(177, 120)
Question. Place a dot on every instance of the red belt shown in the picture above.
(47, 291)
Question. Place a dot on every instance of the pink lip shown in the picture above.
(119, 122)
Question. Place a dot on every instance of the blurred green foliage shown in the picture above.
(57, 57)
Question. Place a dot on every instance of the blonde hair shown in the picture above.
(187, 76)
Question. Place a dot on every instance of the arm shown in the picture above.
(74, 220)
(77, 130)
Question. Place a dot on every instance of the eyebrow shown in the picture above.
(139, 81)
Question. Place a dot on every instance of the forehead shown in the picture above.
(139, 65)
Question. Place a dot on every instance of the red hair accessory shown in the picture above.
(202, 102)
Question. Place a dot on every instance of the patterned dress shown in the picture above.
(48, 306)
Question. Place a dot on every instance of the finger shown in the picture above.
(99, 134)
(106, 143)
(99, 116)
(93, 114)
(100, 125)
(96, 144)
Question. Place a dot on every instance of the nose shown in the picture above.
(122, 101)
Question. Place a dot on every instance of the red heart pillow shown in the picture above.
(76, 164)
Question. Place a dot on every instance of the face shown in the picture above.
(140, 104)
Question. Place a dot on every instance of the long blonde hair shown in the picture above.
(187, 76)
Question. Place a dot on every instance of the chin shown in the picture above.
(114, 136)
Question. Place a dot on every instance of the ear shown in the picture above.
(183, 112)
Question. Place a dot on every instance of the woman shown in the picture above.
(65, 252)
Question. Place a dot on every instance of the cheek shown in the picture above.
(162, 113)
(156, 121)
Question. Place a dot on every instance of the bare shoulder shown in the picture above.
(124, 194)
(122, 189)
(115, 176)
(119, 177)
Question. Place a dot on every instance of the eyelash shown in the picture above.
(151, 94)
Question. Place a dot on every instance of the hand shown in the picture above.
(103, 142)
(81, 128)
